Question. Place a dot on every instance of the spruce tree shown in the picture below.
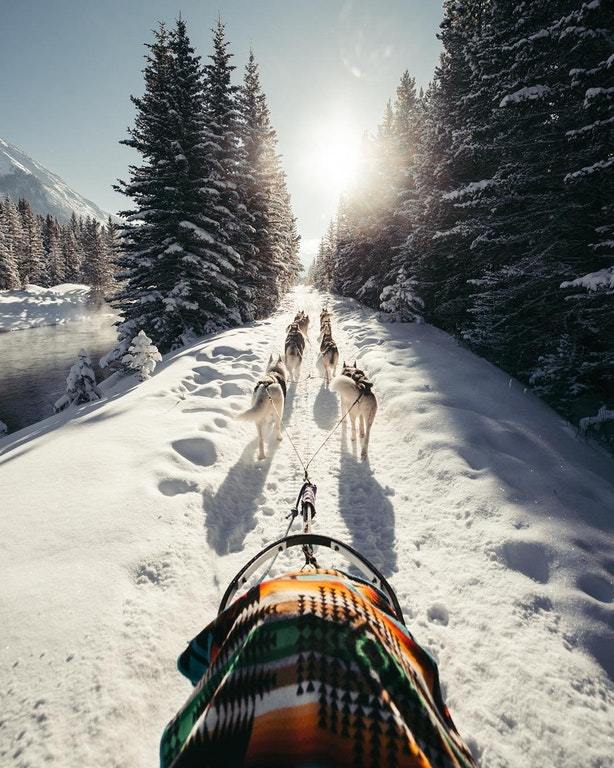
(273, 265)
(225, 183)
(9, 275)
(32, 267)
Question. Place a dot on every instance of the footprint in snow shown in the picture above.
(174, 487)
(198, 450)
(239, 354)
(596, 587)
(155, 573)
(528, 557)
(438, 614)
(230, 388)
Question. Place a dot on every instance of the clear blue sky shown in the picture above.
(68, 67)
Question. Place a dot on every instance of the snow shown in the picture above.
(490, 516)
(595, 281)
(45, 190)
(38, 306)
(198, 231)
(530, 93)
(599, 166)
(470, 189)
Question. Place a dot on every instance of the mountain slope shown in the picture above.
(492, 520)
(21, 176)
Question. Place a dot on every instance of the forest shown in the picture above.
(485, 203)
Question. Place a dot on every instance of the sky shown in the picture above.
(68, 67)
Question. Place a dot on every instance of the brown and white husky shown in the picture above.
(268, 401)
(356, 394)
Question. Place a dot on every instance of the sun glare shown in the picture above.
(335, 156)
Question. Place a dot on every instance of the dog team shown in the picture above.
(358, 401)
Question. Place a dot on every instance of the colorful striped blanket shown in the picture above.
(311, 669)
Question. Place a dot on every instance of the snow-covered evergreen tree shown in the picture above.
(274, 256)
(54, 258)
(142, 356)
(32, 265)
(9, 274)
(97, 269)
(178, 262)
(226, 185)
(400, 302)
(81, 384)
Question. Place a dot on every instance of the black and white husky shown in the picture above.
(356, 394)
(268, 401)
(329, 356)
(294, 350)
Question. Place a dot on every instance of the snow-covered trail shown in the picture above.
(122, 526)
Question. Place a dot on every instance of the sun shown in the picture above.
(334, 159)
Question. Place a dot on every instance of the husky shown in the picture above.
(303, 322)
(356, 394)
(325, 330)
(324, 315)
(329, 354)
(294, 350)
(268, 401)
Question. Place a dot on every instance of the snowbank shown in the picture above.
(37, 306)
(123, 523)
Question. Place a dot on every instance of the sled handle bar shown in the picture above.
(373, 576)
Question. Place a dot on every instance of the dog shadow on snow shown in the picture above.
(366, 508)
(325, 408)
(230, 513)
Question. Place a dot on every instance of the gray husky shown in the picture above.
(268, 401)
(356, 394)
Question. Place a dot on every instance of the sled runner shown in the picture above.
(311, 668)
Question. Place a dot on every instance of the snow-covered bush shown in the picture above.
(142, 356)
(601, 423)
(400, 302)
(114, 357)
(80, 384)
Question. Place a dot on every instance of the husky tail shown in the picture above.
(344, 385)
(255, 412)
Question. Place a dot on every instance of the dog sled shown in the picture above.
(313, 667)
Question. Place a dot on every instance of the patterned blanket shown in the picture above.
(311, 669)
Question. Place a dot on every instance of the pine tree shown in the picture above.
(142, 356)
(97, 269)
(9, 275)
(32, 267)
(178, 260)
(227, 163)
(81, 384)
(274, 261)
(52, 250)
(14, 234)
(400, 302)
(71, 254)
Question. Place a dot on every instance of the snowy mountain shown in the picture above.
(490, 517)
(21, 176)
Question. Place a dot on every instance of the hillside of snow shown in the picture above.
(124, 521)
(38, 306)
(21, 176)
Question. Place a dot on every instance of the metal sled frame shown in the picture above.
(372, 575)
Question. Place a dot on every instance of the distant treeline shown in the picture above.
(38, 249)
(210, 241)
(486, 204)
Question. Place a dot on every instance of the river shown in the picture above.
(34, 364)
